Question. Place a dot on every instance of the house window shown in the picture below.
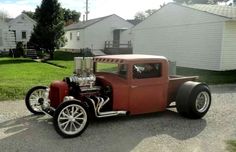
(70, 35)
(23, 35)
(1, 40)
(147, 70)
(77, 36)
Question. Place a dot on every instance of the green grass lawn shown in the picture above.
(19, 75)
(231, 145)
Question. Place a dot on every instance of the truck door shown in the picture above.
(148, 89)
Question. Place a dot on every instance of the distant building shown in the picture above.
(23, 26)
(15, 30)
(7, 38)
(98, 33)
(196, 36)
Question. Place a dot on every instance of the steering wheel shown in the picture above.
(136, 72)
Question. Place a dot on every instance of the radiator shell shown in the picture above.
(58, 90)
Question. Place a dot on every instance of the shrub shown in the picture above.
(19, 51)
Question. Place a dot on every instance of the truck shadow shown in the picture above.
(108, 134)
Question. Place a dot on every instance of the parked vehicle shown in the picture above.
(134, 84)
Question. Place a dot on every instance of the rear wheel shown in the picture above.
(194, 104)
(33, 98)
(70, 119)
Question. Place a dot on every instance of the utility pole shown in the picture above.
(86, 12)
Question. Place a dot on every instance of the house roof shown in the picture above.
(8, 19)
(219, 10)
(82, 25)
(26, 16)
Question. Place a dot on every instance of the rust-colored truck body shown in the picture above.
(138, 84)
(141, 95)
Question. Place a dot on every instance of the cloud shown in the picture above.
(77, 5)
(14, 8)
(97, 8)
(123, 8)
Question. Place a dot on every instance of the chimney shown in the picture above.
(83, 18)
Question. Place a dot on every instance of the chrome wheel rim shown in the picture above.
(72, 119)
(202, 101)
(35, 97)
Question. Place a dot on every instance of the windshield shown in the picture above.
(118, 69)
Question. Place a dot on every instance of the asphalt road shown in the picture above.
(20, 131)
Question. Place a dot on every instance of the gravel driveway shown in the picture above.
(167, 131)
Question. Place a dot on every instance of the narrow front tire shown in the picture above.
(71, 119)
(33, 98)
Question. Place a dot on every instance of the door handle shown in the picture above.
(133, 86)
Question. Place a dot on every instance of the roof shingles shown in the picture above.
(220, 10)
(84, 24)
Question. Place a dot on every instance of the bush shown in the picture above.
(18, 52)
(85, 52)
(40, 53)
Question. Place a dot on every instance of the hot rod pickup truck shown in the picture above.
(132, 84)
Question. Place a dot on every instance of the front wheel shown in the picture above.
(70, 119)
(33, 98)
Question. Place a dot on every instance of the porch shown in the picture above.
(116, 47)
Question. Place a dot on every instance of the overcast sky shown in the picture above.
(97, 8)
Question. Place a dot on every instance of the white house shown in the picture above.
(7, 38)
(196, 36)
(23, 26)
(3, 26)
(95, 32)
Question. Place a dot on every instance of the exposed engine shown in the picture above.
(84, 76)
(82, 86)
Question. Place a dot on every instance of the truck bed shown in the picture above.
(175, 81)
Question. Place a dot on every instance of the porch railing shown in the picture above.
(117, 44)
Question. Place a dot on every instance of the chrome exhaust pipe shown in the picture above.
(100, 104)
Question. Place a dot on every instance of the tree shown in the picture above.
(200, 1)
(70, 16)
(150, 12)
(142, 15)
(30, 14)
(3, 15)
(49, 31)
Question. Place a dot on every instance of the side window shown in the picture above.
(1, 38)
(147, 70)
(70, 35)
(122, 70)
(23, 34)
(78, 36)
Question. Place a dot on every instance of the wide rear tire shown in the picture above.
(193, 101)
(71, 119)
